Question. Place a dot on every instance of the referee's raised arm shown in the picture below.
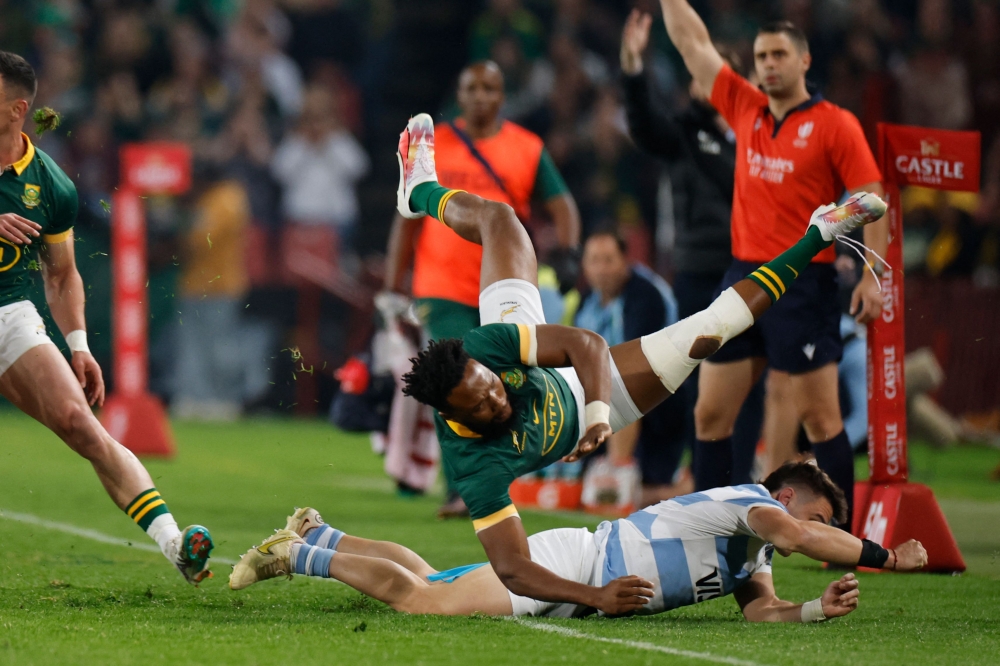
(688, 33)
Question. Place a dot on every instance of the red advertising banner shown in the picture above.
(156, 167)
(941, 159)
(886, 349)
(129, 325)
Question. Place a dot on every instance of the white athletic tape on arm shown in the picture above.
(597, 411)
(812, 611)
(668, 350)
(77, 341)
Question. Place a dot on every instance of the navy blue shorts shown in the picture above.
(799, 333)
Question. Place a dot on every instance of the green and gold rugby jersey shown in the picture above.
(546, 425)
(35, 188)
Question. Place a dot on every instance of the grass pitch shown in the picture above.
(66, 599)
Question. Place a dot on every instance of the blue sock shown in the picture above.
(311, 560)
(324, 536)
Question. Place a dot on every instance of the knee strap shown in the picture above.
(674, 352)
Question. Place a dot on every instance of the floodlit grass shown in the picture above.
(66, 599)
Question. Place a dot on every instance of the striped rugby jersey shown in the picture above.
(692, 548)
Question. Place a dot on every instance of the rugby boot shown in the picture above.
(860, 209)
(303, 520)
(193, 552)
(270, 559)
(415, 155)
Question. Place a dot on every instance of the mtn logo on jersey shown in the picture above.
(805, 129)
(772, 169)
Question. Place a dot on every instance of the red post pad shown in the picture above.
(893, 513)
(139, 423)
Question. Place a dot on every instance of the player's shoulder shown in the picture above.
(54, 173)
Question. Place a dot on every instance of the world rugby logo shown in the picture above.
(805, 129)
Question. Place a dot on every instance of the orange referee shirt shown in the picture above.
(447, 266)
(784, 170)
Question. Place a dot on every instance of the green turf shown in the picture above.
(66, 599)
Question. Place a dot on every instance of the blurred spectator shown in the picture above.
(213, 283)
(318, 167)
(253, 46)
(506, 17)
(626, 302)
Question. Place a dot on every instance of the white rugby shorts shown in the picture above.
(516, 301)
(569, 553)
(21, 329)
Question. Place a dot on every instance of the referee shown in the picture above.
(700, 149)
(795, 151)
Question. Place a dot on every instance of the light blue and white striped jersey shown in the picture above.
(692, 548)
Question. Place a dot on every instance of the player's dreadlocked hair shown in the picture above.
(436, 371)
(808, 475)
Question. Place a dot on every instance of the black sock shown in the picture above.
(836, 458)
(713, 463)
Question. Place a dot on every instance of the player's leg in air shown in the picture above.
(383, 570)
(653, 367)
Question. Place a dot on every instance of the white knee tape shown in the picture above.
(669, 350)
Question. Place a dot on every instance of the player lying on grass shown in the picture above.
(516, 395)
(38, 205)
(676, 553)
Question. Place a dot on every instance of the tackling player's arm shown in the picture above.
(688, 33)
(759, 603)
(587, 352)
(506, 547)
(828, 544)
(64, 294)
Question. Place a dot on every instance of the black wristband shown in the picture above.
(873, 555)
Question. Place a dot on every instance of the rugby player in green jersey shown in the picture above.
(38, 206)
(516, 395)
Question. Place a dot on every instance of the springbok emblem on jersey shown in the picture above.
(805, 129)
(32, 196)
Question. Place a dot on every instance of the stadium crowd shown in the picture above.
(289, 107)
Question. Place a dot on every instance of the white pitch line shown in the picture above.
(638, 645)
(93, 535)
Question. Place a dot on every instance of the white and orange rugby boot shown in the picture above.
(415, 154)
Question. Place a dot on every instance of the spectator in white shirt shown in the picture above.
(318, 166)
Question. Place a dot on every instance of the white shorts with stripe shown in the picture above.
(569, 553)
(21, 329)
(518, 302)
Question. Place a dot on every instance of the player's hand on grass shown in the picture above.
(17, 229)
(624, 595)
(841, 596)
(866, 301)
(910, 556)
(635, 37)
(91, 379)
(594, 437)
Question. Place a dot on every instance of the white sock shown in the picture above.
(669, 350)
(164, 531)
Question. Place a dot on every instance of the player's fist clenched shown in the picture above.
(624, 595)
(910, 556)
(594, 437)
(841, 596)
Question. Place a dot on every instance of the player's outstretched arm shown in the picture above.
(506, 547)
(688, 33)
(64, 294)
(759, 603)
(830, 544)
(587, 352)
